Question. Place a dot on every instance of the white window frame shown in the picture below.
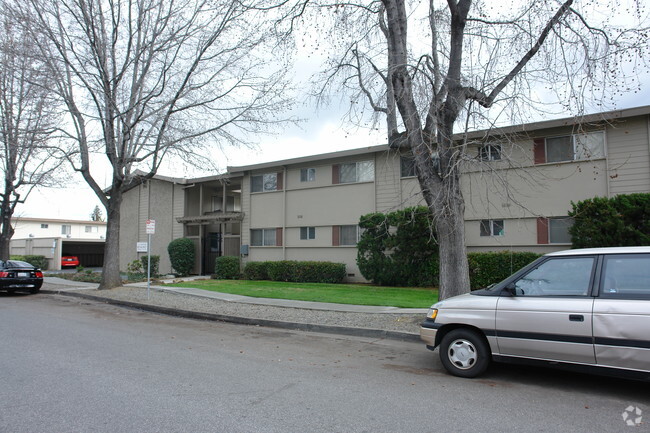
(45, 226)
(360, 175)
(269, 237)
(66, 229)
(269, 182)
(494, 227)
(307, 233)
(580, 147)
(553, 221)
(356, 236)
(307, 175)
(91, 229)
(490, 152)
(406, 166)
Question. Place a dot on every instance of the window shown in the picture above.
(91, 229)
(407, 166)
(66, 229)
(558, 277)
(349, 235)
(558, 230)
(573, 147)
(626, 276)
(264, 182)
(491, 227)
(307, 233)
(489, 152)
(264, 237)
(45, 226)
(307, 174)
(363, 171)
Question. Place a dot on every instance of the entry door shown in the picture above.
(550, 317)
(212, 250)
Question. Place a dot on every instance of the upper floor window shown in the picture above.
(91, 229)
(44, 226)
(362, 171)
(407, 166)
(66, 229)
(265, 182)
(307, 174)
(489, 152)
(575, 147)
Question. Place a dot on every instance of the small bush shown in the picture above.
(181, 255)
(227, 268)
(134, 271)
(297, 271)
(492, 267)
(38, 261)
(155, 261)
(256, 271)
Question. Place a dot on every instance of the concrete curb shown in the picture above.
(310, 327)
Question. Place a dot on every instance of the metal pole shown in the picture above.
(148, 265)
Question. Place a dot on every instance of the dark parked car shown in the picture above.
(17, 276)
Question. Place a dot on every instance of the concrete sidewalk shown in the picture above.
(358, 320)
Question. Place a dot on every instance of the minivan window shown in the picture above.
(626, 276)
(565, 276)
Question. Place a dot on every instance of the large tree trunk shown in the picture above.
(111, 271)
(5, 235)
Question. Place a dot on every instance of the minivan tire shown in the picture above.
(464, 353)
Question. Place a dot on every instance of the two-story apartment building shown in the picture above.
(518, 185)
(54, 238)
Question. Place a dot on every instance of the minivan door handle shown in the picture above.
(576, 318)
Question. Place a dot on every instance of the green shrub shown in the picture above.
(296, 271)
(227, 268)
(256, 271)
(492, 267)
(134, 271)
(623, 220)
(181, 255)
(155, 261)
(398, 248)
(34, 260)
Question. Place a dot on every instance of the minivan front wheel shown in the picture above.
(464, 353)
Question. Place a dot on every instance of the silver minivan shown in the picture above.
(584, 308)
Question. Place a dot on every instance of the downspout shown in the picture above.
(285, 182)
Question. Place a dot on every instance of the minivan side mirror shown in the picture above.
(511, 289)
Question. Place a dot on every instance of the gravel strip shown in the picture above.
(408, 323)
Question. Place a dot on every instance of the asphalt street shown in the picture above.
(74, 365)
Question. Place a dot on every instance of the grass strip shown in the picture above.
(356, 294)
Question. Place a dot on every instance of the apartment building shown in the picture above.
(518, 185)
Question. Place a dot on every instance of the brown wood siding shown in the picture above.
(280, 182)
(542, 230)
(539, 151)
(335, 174)
(278, 237)
(336, 236)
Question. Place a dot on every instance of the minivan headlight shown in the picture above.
(433, 312)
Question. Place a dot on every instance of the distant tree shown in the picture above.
(28, 115)
(146, 80)
(97, 215)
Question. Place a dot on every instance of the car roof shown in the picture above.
(593, 251)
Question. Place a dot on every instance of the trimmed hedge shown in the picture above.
(181, 254)
(623, 220)
(256, 271)
(38, 261)
(492, 267)
(227, 268)
(296, 271)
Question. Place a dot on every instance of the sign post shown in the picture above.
(150, 227)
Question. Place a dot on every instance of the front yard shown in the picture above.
(357, 294)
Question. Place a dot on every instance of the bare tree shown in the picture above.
(467, 61)
(28, 115)
(146, 80)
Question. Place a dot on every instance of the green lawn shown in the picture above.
(358, 294)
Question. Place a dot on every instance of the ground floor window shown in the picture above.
(491, 227)
(264, 237)
(307, 233)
